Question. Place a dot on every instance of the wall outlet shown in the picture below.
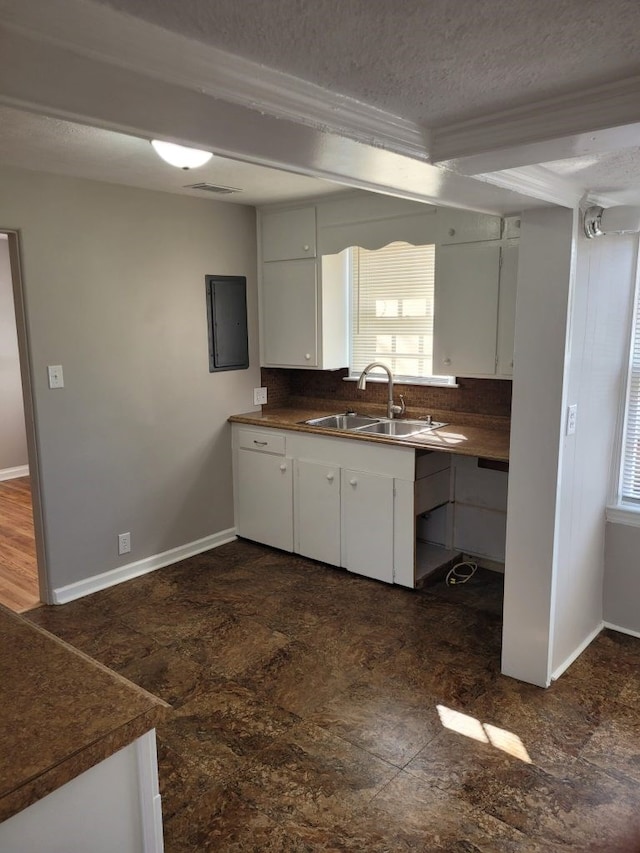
(259, 396)
(572, 415)
(56, 380)
(124, 543)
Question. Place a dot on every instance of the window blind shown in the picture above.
(631, 446)
(392, 293)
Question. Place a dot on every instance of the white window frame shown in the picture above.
(629, 504)
(442, 381)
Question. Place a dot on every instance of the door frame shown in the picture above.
(26, 373)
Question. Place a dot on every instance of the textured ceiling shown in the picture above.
(37, 142)
(431, 61)
(615, 174)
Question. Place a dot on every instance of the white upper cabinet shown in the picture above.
(289, 234)
(463, 226)
(466, 309)
(303, 280)
(303, 298)
(289, 302)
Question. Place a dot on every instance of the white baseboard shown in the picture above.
(621, 630)
(14, 473)
(79, 589)
(576, 654)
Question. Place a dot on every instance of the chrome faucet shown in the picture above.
(392, 408)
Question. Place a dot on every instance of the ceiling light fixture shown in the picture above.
(614, 220)
(180, 156)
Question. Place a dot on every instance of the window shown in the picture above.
(630, 488)
(391, 298)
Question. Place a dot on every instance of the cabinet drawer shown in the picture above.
(432, 491)
(265, 442)
(431, 463)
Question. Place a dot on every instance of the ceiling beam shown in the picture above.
(43, 76)
(601, 119)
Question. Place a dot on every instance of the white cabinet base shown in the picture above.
(114, 806)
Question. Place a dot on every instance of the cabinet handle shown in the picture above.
(447, 361)
(353, 482)
(452, 232)
(330, 477)
(260, 443)
(307, 355)
(283, 467)
(306, 247)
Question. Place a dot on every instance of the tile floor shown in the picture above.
(318, 711)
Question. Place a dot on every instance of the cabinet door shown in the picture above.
(466, 309)
(264, 499)
(289, 234)
(289, 306)
(317, 517)
(367, 524)
(507, 309)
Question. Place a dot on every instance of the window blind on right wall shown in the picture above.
(631, 448)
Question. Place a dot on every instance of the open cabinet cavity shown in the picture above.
(433, 511)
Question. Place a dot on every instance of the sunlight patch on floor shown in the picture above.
(470, 727)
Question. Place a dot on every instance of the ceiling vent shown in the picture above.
(212, 188)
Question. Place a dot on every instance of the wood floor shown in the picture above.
(18, 567)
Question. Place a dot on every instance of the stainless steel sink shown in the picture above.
(374, 426)
(343, 422)
(398, 429)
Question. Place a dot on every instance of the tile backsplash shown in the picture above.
(491, 397)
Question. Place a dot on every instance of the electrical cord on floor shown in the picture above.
(461, 573)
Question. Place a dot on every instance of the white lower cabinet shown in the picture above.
(385, 512)
(367, 524)
(264, 498)
(317, 511)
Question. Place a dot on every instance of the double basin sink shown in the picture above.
(374, 426)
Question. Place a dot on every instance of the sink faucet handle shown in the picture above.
(397, 410)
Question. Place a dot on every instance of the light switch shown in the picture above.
(56, 380)
(572, 414)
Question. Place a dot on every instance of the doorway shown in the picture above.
(20, 554)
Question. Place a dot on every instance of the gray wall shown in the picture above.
(137, 440)
(13, 438)
(622, 577)
(597, 366)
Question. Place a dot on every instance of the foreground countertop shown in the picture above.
(489, 441)
(61, 713)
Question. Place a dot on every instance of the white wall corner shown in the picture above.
(630, 632)
(577, 652)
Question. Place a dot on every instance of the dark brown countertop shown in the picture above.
(490, 441)
(61, 713)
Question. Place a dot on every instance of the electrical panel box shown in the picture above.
(227, 322)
